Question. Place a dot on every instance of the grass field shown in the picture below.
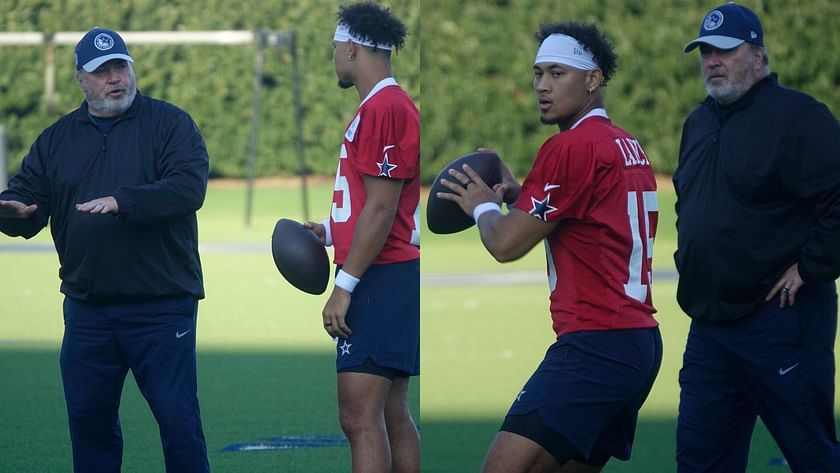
(266, 369)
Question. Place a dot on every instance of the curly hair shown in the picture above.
(588, 35)
(373, 23)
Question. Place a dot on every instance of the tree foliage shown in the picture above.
(212, 83)
(474, 59)
(477, 62)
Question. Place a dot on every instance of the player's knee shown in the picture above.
(357, 421)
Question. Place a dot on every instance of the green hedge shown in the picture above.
(213, 83)
(474, 58)
(477, 69)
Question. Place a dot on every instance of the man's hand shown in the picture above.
(102, 205)
(789, 285)
(319, 229)
(334, 312)
(469, 190)
(510, 187)
(15, 209)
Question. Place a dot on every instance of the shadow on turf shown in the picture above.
(460, 445)
(244, 396)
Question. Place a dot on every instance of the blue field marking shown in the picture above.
(288, 442)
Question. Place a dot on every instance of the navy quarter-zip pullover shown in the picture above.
(758, 189)
(154, 162)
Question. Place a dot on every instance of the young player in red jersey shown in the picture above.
(591, 197)
(374, 309)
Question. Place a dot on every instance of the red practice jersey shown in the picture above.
(597, 182)
(382, 140)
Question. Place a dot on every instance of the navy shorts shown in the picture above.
(384, 316)
(588, 391)
(774, 363)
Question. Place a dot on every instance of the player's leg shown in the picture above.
(554, 423)
(159, 341)
(793, 377)
(514, 453)
(402, 432)
(361, 409)
(640, 351)
(93, 372)
(384, 314)
(716, 419)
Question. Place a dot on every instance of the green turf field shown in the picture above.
(266, 368)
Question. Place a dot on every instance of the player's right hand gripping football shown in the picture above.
(509, 186)
(334, 313)
(15, 209)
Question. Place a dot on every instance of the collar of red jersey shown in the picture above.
(379, 86)
(595, 112)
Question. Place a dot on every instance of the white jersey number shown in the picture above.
(341, 213)
(642, 233)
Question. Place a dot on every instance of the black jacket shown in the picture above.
(154, 162)
(758, 189)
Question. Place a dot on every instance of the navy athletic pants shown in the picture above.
(156, 341)
(774, 363)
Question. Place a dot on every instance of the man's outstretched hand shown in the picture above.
(15, 209)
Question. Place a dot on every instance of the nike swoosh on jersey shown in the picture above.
(549, 187)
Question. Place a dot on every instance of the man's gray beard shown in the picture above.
(109, 105)
(729, 93)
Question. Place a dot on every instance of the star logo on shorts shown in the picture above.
(345, 348)
(385, 167)
(541, 208)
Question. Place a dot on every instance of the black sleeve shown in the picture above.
(183, 167)
(29, 186)
(814, 174)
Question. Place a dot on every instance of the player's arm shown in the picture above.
(382, 197)
(506, 237)
(511, 236)
(375, 221)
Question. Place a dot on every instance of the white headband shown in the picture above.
(342, 33)
(566, 50)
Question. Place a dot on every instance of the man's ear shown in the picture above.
(352, 50)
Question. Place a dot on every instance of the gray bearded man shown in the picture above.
(119, 180)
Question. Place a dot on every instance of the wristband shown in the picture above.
(485, 207)
(346, 281)
(328, 238)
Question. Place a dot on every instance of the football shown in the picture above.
(444, 216)
(300, 256)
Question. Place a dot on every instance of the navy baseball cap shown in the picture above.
(99, 46)
(727, 27)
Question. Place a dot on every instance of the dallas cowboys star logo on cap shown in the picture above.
(385, 167)
(713, 20)
(103, 41)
